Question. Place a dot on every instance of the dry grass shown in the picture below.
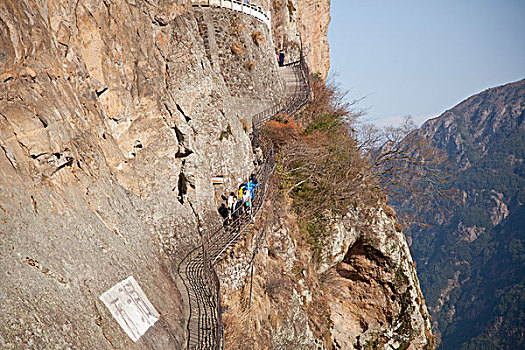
(244, 327)
(236, 322)
(237, 48)
(237, 26)
(277, 286)
(291, 9)
(277, 4)
(282, 131)
(249, 65)
(258, 37)
(245, 125)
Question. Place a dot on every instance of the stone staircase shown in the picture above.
(290, 79)
(206, 30)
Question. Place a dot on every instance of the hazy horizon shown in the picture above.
(422, 58)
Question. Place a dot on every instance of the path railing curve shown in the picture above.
(205, 330)
(238, 6)
(288, 106)
(205, 327)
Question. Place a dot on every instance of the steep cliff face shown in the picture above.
(375, 299)
(303, 23)
(363, 295)
(114, 115)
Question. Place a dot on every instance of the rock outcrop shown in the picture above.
(363, 294)
(374, 295)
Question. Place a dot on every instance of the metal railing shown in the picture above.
(288, 106)
(205, 330)
(205, 327)
(239, 6)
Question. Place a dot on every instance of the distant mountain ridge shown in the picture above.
(471, 267)
(480, 119)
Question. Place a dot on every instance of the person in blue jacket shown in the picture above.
(250, 193)
(250, 187)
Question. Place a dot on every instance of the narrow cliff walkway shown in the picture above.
(238, 6)
(205, 329)
(290, 78)
(297, 92)
(197, 272)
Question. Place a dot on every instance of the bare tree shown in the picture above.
(414, 173)
(368, 137)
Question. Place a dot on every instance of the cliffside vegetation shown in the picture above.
(334, 271)
(329, 161)
(319, 164)
(319, 171)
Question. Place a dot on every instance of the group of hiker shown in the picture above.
(240, 203)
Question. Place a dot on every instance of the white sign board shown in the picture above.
(130, 307)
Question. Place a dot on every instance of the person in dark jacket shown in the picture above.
(236, 210)
(281, 58)
(253, 179)
(224, 213)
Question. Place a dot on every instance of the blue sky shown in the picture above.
(420, 58)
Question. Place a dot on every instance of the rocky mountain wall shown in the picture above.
(113, 119)
(303, 23)
(364, 293)
(471, 261)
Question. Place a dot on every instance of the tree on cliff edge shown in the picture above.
(415, 174)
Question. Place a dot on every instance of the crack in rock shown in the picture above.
(44, 270)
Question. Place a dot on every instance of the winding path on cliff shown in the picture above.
(205, 329)
(197, 271)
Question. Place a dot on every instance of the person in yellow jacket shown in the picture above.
(241, 190)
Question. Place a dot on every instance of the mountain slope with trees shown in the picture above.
(471, 262)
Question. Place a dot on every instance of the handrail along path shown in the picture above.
(255, 11)
(205, 327)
